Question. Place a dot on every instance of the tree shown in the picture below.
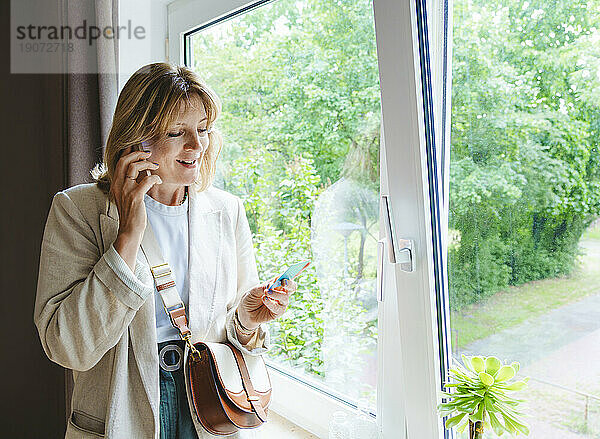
(524, 174)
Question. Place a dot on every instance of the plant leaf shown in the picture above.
(516, 366)
(516, 426)
(492, 364)
(509, 426)
(454, 421)
(478, 416)
(487, 402)
(512, 419)
(517, 385)
(522, 428)
(462, 427)
(505, 373)
(478, 364)
(496, 425)
(486, 379)
(467, 362)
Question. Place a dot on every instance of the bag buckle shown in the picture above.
(160, 270)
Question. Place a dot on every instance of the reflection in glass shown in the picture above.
(345, 222)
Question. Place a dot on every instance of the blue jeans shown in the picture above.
(175, 418)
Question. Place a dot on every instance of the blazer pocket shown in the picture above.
(87, 423)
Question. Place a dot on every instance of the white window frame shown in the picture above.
(408, 351)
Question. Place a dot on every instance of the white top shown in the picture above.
(171, 228)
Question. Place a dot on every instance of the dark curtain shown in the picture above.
(54, 127)
(90, 100)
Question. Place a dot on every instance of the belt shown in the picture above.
(163, 353)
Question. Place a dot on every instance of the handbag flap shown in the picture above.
(229, 372)
(226, 366)
(230, 378)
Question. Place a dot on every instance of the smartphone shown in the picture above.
(292, 272)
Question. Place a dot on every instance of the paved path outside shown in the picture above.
(537, 338)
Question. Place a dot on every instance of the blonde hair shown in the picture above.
(147, 106)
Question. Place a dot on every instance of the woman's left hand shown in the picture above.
(258, 306)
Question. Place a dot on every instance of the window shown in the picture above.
(524, 179)
(301, 124)
(519, 185)
(306, 147)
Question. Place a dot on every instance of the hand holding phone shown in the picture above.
(263, 303)
(127, 189)
(292, 272)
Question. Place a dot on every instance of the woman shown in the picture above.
(97, 311)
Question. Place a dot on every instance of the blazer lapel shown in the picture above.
(141, 329)
(204, 269)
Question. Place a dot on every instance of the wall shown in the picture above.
(136, 53)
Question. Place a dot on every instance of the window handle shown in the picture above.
(405, 255)
(400, 251)
(405, 260)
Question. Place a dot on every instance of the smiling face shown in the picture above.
(178, 152)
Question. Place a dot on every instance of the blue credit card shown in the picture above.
(293, 271)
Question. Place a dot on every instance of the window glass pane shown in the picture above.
(301, 121)
(524, 247)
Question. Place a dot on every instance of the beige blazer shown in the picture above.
(96, 317)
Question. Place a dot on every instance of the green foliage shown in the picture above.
(293, 78)
(481, 394)
(524, 176)
(282, 237)
(301, 109)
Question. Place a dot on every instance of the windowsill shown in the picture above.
(280, 428)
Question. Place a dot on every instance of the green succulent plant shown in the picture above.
(481, 397)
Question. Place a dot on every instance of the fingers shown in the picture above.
(283, 298)
(276, 300)
(286, 288)
(287, 285)
(128, 171)
(147, 182)
(257, 291)
(261, 289)
(275, 307)
(126, 160)
(290, 286)
(281, 295)
(270, 282)
(135, 168)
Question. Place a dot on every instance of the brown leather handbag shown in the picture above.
(227, 388)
